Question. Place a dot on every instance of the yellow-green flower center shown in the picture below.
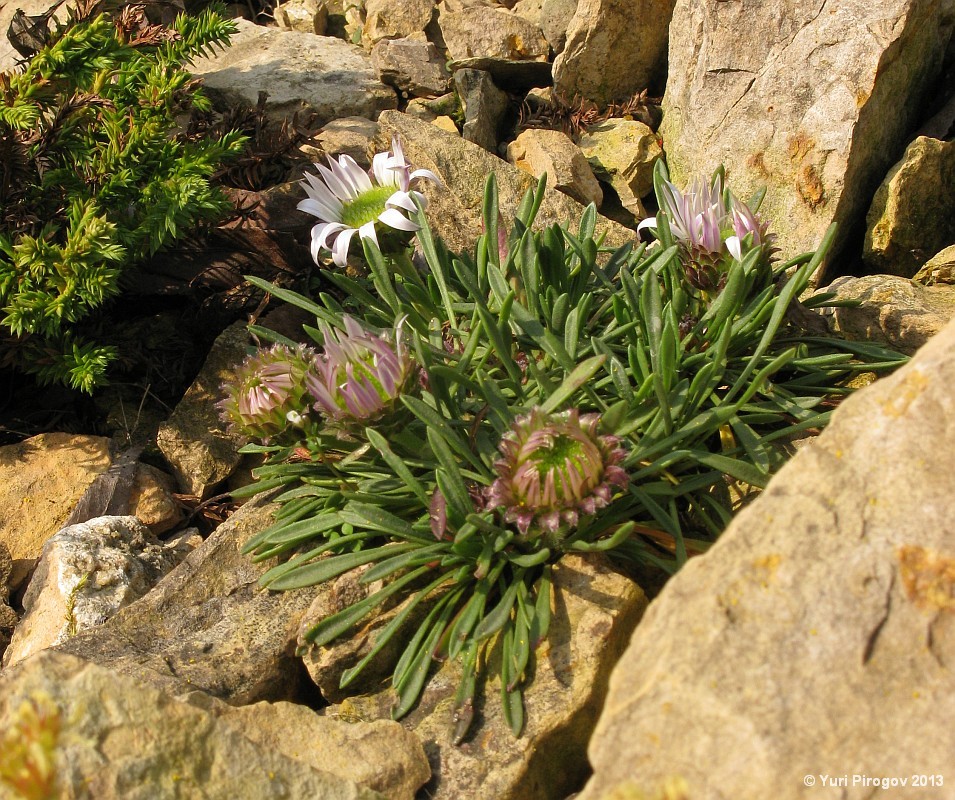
(366, 207)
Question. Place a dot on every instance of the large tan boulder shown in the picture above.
(890, 310)
(816, 638)
(472, 29)
(613, 49)
(813, 100)
(395, 19)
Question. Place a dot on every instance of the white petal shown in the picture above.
(398, 151)
(379, 165)
(733, 245)
(367, 231)
(427, 175)
(315, 248)
(319, 209)
(341, 189)
(329, 231)
(316, 187)
(340, 249)
(401, 200)
(395, 219)
(649, 222)
(356, 174)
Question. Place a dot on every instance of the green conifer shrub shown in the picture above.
(94, 178)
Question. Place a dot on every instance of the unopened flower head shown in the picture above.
(349, 200)
(555, 468)
(710, 226)
(359, 376)
(268, 395)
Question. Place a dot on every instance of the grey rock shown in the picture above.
(490, 31)
(940, 268)
(195, 440)
(890, 310)
(86, 573)
(555, 19)
(395, 19)
(484, 107)
(816, 637)
(411, 66)
(552, 153)
(613, 49)
(207, 625)
(351, 136)
(315, 75)
(514, 76)
(812, 100)
(912, 215)
(119, 738)
(594, 611)
(455, 208)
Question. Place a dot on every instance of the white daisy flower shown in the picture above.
(349, 200)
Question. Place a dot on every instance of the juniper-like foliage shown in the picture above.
(93, 178)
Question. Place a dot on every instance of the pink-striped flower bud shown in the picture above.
(359, 376)
(268, 395)
(555, 468)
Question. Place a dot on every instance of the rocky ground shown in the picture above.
(817, 638)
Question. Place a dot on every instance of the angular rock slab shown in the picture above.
(455, 209)
(817, 637)
(940, 268)
(301, 72)
(553, 153)
(912, 216)
(121, 739)
(890, 310)
(594, 611)
(613, 49)
(207, 625)
(808, 98)
(471, 30)
(195, 440)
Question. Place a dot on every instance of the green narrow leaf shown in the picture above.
(385, 634)
(335, 625)
(582, 373)
(501, 613)
(397, 464)
(328, 568)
